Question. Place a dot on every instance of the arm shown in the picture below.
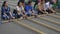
(52, 9)
(40, 8)
(23, 9)
(3, 10)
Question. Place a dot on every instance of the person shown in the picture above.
(30, 10)
(36, 2)
(23, 2)
(39, 7)
(58, 4)
(5, 11)
(48, 7)
(20, 10)
(54, 4)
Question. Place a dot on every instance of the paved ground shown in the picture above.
(14, 28)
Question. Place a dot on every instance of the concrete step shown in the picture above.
(47, 22)
(55, 15)
(13, 28)
(50, 20)
(38, 26)
(29, 27)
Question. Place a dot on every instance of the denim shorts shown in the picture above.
(30, 13)
(6, 16)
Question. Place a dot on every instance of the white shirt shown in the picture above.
(46, 5)
(20, 8)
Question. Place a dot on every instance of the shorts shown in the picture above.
(30, 13)
(17, 16)
(7, 16)
(49, 11)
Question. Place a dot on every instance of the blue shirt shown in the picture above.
(5, 10)
(28, 7)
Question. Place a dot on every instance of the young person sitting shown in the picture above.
(40, 8)
(48, 7)
(58, 4)
(30, 10)
(20, 10)
(54, 4)
(5, 11)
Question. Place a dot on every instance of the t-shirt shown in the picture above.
(28, 8)
(47, 5)
(20, 9)
(54, 5)
(5, 10)
(39, 6)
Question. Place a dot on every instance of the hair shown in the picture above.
(18, 3)
(23, 1)
(53, 2)
(37, 2)
(29, 2)
(46, 1)
(4, 3)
